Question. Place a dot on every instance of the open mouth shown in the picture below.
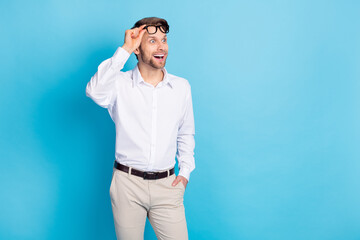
(159, 56)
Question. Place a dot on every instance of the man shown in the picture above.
(153, 114)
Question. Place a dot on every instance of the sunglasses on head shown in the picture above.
(152, 29)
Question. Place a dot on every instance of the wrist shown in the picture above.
(127, 48)
(185, 173)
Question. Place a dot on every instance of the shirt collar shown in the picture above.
(137, 78)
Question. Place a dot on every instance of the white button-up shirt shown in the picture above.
(153, 124)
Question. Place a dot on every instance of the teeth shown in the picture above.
(158, 55)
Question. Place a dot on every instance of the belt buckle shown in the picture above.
(150, 175)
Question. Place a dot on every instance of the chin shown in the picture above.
(157, 65)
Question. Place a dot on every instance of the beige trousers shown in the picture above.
(133, 199)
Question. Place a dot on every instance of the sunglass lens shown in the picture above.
(151, 29)
(164, 29)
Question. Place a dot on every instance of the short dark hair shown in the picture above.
(151, 21)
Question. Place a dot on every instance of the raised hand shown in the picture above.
(133, 38)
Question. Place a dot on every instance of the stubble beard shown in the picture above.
(152, 62)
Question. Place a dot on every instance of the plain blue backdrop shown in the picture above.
(276, 94)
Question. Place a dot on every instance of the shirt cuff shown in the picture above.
(119, 58)
(185, 172)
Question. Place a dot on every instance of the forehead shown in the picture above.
(158, 34)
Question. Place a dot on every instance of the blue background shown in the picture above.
(276, 98)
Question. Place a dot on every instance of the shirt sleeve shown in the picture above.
(102, 86)
(186, 141)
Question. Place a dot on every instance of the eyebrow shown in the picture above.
(155, 37)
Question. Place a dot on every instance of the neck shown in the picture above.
(150, 74)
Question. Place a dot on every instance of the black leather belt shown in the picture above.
(144, 175)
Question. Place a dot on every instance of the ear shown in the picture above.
(137, 51)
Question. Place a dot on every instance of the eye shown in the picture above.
(152, 40)
(164, 40)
